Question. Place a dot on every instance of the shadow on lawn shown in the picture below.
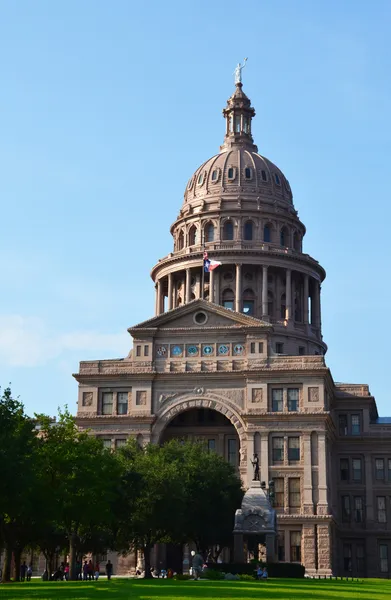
(124, 589)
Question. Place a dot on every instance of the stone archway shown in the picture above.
(173, 404)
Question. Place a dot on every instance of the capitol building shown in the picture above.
(236, 357)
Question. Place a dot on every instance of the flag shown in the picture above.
(209, 265)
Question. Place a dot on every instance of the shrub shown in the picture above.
(245, 577)
(286, 570)
(182, 577)
(213, 574)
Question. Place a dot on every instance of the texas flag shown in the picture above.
(209, 265)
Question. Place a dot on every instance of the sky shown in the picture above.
(106, 110)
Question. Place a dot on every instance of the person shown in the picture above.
(29, 572)
(90, 570)
(66, 571)
(78, 569)
(97, 571)
(198, 561)
(259, 572)
(109, 569)
(264, 574)
(85, 571)
(170, 573)
(23, 569)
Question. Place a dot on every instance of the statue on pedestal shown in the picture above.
(255, 464)
(238, 71)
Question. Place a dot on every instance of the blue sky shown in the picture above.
(106, 109)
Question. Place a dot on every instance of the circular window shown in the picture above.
(228, 276)
(200, 318)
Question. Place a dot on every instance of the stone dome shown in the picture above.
(238, 170)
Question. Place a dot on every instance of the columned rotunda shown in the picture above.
(235, 358)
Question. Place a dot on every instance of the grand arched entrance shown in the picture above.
(209, 427)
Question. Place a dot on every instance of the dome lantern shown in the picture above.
(238, 115)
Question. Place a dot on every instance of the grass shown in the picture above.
(124, 589)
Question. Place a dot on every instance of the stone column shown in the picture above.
(169, 304)
(238, 290)
(323, 467)
(324, 549)
(159, 297)
(265, 312)
(156, 300)
(217, 288)
(306, 294)
(188, 286)
(315, 303)
(264, 467)
(270, 542)
(308, 505)
(211, 286)
(309, 549)
(288, 295)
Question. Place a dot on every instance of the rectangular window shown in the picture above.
(212, 445)
(295, 546)
(107, 403)
(347, 557)
(343, 425)
(278, 449)
(301, 350)
(232, 452)
(357, 469)
(281, 546)
(279, 348)
(381, 509)
(389, 469)
(356, 426)
(277, 400)
(260, 347)
(138, 350)
(106, 444)
(379, 468)
(279, 492)
(252, 348)
(383, 555)
(294, 492)
(122, 403)
(344, 469)
(345, 501)
(293, 448)
(358, 509)
(146, 350)
(360, 557)
(119, 443)
(293, 399)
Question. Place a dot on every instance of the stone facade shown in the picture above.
(236, 357)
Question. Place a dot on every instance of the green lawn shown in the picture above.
(287, 589)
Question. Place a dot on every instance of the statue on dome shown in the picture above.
(238, 71)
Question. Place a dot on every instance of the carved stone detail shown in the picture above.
(87, 398)
(141, 397)
(257, 395)
(313, 394)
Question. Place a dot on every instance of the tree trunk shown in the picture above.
(6, 577)
(147, 561)
(72, 557)
(17, 555)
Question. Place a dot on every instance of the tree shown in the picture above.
(82, 480)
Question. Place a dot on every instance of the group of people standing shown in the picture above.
(26, 572)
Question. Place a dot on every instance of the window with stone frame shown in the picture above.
(358, 509)
(347, 557)
(277, 449)
(381, 509)
(379, 469)
(357, 470)
(267, 233)
(106, 443)
(295, 546)
(383, 556)
(248, 230)
(122, 403)
(281, 546)
(209, 232)
(343, 424)
(356, 425)
(228, 231)
(277, 400)
(345, 505)
(294, 492)
(212, 445)
(360, 557)
(107, 403)
(120, 443)
(389, 469)
(232, 452)
(293, 448)
(293, 399)
(344, 469)
(279, 492)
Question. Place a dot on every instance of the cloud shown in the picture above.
(28, 342)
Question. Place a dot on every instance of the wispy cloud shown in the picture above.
(28, 342)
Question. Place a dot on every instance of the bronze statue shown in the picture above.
(255, 464)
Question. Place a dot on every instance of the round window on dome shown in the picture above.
(200, 179)
(231, 173)
(215, 175)
(264, 175)
(248, 173)
(200, 318)
(190, 183)
(277, 179)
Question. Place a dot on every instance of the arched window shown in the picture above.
(297, 241)
(192, 235)
(228, 299)
(248, 230)
(248, 173)
(277, 179)
(228, 231)
(270, 304)
(209, 232)
(283, 306)
(284, 237)
(181, 240)
(248, 302)
(263, 175)
(267, 233)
